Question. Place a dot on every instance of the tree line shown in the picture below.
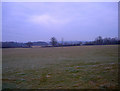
(12, 44)
(98, 41)
(104, 41)
(54, 43)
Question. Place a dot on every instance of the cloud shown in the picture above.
(47, 20)
(82, 21)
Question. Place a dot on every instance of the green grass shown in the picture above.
(83, 67)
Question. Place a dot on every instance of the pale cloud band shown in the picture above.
(47, 20)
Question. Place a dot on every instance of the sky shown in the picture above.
(71, 21)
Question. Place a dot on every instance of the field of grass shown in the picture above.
(82, 67)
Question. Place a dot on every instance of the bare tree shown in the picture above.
(99, 40)
(29, 44)
(53, 41)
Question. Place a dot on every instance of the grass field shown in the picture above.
(82, 67)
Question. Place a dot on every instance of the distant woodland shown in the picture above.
(54, 43)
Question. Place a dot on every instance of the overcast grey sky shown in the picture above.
(30, 21)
